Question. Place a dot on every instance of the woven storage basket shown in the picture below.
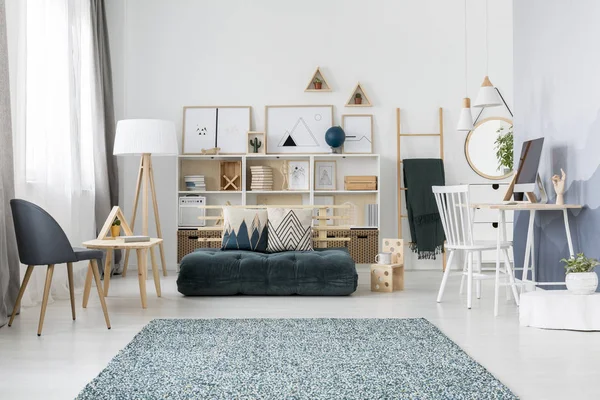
(187, 241)
(363, 246)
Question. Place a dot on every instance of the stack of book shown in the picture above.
(195, 182)
(262, 177)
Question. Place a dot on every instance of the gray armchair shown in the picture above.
(41, 241)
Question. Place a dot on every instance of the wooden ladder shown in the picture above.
(399, 160)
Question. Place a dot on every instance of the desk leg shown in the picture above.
(88, 286)
(568, 230)
(155, 272)
(528, 251)
(107, 268)
(142, 255)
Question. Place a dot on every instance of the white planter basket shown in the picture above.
(582, 282)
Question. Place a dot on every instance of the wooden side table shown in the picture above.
(141, 248)
(387, 278)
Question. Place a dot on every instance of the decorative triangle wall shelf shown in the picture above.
(359, 98)
(316, 80)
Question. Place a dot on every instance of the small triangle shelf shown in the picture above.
(313, 84)
(364, 99)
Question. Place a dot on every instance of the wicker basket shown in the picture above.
(187, 241)
(363, 245)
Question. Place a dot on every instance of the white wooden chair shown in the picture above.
(457, 219)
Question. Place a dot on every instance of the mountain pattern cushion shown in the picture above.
(289, 230)
(244, 229)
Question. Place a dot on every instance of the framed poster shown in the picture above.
(297, 129)
(298, 175)
(206, 127)
(325, 175)
(359, 133)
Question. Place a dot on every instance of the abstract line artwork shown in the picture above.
(298, 129)
(359, 133)
(208, 127)
(298, 175)
(325, 175)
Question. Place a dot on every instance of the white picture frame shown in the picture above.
(321, 200)
(298, 175)
(325, 175)
(297, 129)
(207, 127)
(359, 133)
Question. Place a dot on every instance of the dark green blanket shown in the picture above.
(426, 230)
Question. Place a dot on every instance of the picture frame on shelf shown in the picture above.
(298, 129)
(250, 145)
(298, 175)
(325, 175)
(208, 127)
(324, 201)
(359, 133)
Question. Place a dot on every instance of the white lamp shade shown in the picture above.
(146, 136)
(465, 121)
(488, 95)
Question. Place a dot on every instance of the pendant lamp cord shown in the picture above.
(487, 44)
(466, 58)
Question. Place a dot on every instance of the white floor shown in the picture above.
(535, 364)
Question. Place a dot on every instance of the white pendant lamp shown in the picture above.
(465, 121)
(488, 96)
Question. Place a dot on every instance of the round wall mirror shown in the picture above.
(480, 148)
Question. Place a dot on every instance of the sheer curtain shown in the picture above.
(54, 157)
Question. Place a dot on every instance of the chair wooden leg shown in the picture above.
(88, 286)
(21, 292)
(45, 298)
(94, 267)
(445, 277)
(71, 288)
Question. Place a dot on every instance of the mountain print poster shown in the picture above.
(359, 133)
(298, 129)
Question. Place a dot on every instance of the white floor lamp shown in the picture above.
(146, 137)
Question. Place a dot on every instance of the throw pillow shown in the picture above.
(289, 229)
(244, 229)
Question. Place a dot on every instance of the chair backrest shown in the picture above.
(40, 239)
(455, 213)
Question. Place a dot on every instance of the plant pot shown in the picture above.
(115, 231)
(358, 100)
(318, 85)
(582, 282)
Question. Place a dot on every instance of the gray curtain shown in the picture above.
(106, 174)
(9, 260)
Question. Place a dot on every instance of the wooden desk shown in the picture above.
(529, 246)
(141, 249)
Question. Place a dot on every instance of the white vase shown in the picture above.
(582, 282)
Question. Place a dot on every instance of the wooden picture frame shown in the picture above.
(325, 175)
(256, 135)
(359, 133)
(298, 175)
(207, 127)
(298, 129)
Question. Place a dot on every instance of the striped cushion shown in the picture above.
(289, 230)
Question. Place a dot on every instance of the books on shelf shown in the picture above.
(372, 214)
(262, 178)
(195, 182)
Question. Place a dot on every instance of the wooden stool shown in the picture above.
(387, 278)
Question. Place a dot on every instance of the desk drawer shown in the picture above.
(488, 193)
(489, 231)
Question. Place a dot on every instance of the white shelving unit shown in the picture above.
(346, 164)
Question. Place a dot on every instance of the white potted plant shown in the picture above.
(581, 278)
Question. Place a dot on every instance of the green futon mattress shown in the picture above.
(323, 272)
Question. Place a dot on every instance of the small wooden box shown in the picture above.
(387, 278)
(231, 175)
(360, 182)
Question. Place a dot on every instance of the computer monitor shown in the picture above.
(529, 162)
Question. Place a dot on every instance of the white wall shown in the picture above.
(407, 54)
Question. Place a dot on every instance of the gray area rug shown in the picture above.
(293, 359)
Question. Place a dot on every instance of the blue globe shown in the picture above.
(335, 136)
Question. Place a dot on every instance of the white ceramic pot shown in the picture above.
(582, 282)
